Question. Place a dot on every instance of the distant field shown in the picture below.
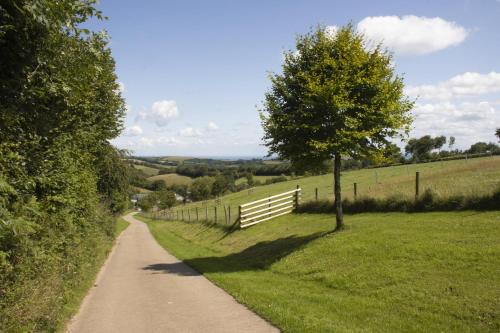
(147, 170)
(178, 159)
(140, 189)
(427, 272)
(473, 176)
(259, 178)
(173, 179)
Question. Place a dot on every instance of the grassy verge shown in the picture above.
(74, 296)
(385, 272)
(121, 225)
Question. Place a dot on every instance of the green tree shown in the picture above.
(497, 133)
(334, 98)
(201, 188)
(451, 142)
(250, 180)
(421, 148)
(165, 199)
(220, 185)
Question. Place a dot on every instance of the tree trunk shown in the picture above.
(336, 186)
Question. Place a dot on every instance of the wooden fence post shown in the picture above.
(206, 213)
(297, 197)
(355, 191)
(225, 215)
(215, 211)
(182, 212)
(229, 213)
(417, 184)
(197, 214)
(239, 216)
(316, 192)
(189, 215)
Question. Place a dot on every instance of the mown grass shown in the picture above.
(173, 179)
(473, 177)
(393, 272)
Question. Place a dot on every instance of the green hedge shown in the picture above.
(427, 202)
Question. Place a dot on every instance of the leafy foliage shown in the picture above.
(334, 98)
(60, 179)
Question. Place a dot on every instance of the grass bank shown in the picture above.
(385, 272)
(471, 178)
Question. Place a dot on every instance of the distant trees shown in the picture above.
(497, 133)
(162, 199)
(420, 149)
(201, 188)
(451, 142)
(334, 99)
(483, 147)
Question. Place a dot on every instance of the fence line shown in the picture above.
(274, 206)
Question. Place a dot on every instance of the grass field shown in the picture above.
(473, 176)
(173, 179)
(259, 178)
(428, 272)
(147, 170)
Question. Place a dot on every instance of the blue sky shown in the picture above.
(194, 72)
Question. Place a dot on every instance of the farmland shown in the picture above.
(477, 176)
(384, 272)
(172, 179)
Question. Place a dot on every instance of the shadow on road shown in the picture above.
(256, 257)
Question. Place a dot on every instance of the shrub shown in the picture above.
(427, 202)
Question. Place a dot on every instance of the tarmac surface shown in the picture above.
(142, 288)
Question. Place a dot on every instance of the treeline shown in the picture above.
(425, 149)
(201, 170)
(60, 179)
(202, 188)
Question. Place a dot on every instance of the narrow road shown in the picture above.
(142, 288)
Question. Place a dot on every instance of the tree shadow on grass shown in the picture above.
(256, 257)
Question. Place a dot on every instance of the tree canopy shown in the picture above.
(335, 97)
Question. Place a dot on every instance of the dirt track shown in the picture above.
(142, 288)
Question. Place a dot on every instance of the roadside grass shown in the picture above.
(427, 272)
(473, 177)
(120, 226)
(173, 179)
(87, 278)
(149, 171)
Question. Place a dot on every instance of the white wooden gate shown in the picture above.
(268, 208)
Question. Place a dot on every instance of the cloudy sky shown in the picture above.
(194, 73)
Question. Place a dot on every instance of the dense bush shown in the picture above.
(427, 202)
(60, 179)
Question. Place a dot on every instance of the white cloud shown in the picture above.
(190, 132)
(145, 142)
(161, 113)
(468, 121)
(412, 34)
(133, 131)
(464, 85)
(212, 126)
